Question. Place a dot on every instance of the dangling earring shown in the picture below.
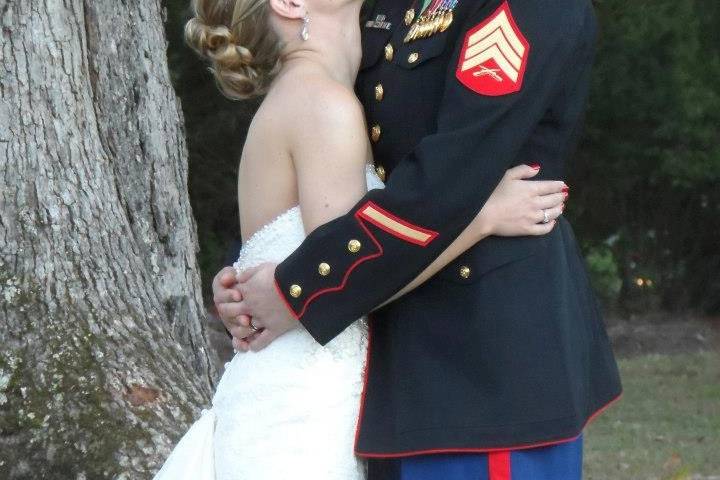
(305, 32)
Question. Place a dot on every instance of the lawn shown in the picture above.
(667, 425)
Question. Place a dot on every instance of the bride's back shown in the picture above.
(267, 184)
(306, 137)
(307, 144)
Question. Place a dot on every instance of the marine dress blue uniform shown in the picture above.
(504, 350)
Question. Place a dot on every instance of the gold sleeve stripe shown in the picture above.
(396, 226)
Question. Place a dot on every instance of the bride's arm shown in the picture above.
(514, 208)
(329, 150)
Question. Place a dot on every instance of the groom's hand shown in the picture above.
(227, 299)
(262, 303)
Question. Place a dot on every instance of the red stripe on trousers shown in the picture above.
(499, 465)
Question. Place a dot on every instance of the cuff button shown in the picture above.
(465, 271)
(354, 246)
(295, 291)
(324, 269)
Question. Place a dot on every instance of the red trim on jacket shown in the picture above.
(499, 466)
(287, 304)
(488, 450)
(361, 216)
(352, 267)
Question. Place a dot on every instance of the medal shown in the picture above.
(409, 16)
(447, 20)
(434, 16)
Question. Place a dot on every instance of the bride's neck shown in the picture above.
(334, 44)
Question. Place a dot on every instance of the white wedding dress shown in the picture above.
(288, 411)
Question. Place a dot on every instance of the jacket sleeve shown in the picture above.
(347, 267)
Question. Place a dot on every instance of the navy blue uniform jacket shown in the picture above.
(505, 347)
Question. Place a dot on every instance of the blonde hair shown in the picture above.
(236, 37)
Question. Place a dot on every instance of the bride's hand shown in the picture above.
(517, 205)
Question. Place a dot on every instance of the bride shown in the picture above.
(290, 410)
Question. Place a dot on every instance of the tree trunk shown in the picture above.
(104, 357)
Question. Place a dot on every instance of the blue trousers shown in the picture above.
(556, 462)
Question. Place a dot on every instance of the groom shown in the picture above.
(502, 354)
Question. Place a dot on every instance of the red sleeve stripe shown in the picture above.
(396, 226)
(499, 465)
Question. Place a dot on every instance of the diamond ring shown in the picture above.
(546, 217)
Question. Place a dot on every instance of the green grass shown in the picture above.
(666, 426)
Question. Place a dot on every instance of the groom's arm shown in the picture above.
(392, 234)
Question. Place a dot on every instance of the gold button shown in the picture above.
(413, 57)
(324, 269)
(354, 246)
(465, 271)
(295, 291)
(375, 133)
(409, 16)
(389, 52)
(379, 92)
(380, 170)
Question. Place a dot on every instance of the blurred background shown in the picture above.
(645, 204)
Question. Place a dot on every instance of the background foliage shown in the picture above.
(645, 199)
(646, 176)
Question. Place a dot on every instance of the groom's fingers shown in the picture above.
(241, 344)
(244, 320)
(248, 274)
(243, 308)
(224, 278)
(261, 340)
(222, 287)
(229, 311)
(240, 332)
(227, 296)
(228, 278)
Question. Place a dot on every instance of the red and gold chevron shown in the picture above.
(494, 55)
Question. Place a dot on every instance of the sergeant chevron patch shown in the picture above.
(396, 226)
(494, 55)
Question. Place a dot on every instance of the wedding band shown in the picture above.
(546, 217)
(253, 327)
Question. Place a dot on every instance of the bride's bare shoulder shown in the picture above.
(310, 102)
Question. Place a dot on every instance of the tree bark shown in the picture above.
(104, 359)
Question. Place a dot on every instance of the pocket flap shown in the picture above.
(488, 255)
(374, 41)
